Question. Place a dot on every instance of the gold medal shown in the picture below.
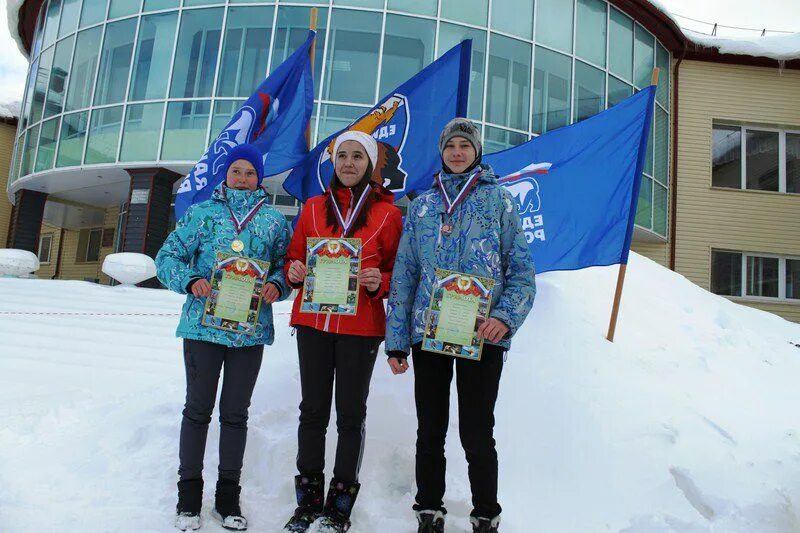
(237, 246)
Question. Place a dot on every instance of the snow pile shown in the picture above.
(688, 423)
(12, 15)
(780, 47)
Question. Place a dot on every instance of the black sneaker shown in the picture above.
(430, 521)
(485, 525)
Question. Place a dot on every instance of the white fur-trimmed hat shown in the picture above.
(364, 139)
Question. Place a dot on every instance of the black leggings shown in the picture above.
(350, 358)
(477, 383)
(204, 361)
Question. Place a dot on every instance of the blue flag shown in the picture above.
(406, 123)
(273, 119)
(576, 187)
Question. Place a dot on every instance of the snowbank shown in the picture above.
(780, 47)
(688, 423)
(10, 108)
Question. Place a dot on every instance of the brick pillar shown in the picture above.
(147, 224)
(26, 220)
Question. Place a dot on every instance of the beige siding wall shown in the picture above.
(750, 221)
(658, 252)
(71, 268)
(7, 132)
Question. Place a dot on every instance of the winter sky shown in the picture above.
(783, 15)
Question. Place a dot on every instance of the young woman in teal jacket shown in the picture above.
(236, 219)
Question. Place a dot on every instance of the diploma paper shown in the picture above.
(331, 285)
(235, 300)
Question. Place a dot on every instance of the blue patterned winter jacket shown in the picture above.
(189, 253)
(487, 240)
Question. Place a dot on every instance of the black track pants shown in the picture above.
(204, 361)
(350, 359)
(477, 383)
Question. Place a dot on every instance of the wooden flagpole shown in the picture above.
(612, 326)
(312, 25)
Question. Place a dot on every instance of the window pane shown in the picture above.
(590, 90)
(643, 49)
(93, 247)
(93, 11)
(661, 152)
(291, 32)
(30, 151)
(104, 135)
(792, 162)
(47, 145)
(663, 64)
(762, 276)
(115, 62)
(39, 34)
(469, 11)
(185, 131)
(422, 7)
(591, 31)
(223, 111)
(644, 208)
(793, 278)
(554, 24)
(762, 160)
(660, 209)
(18, 159)
(552, 78)
(26, 110)
(201, 2)
(497, 139)
(44, 248)
(40, 88)
(84, 65)
(335, 117)
(153, 53)
(726, 157)
(513, 16)
(155, 5)
(407, 49)
(51, 25)
(352, 62)
(648, 160)
(57, 85)
(245, 51)
(140, 135)
(617, 91)
(360, 3)
(122, 8)
(620, 45)
(509, 82)
(73, 137)
(196, 56)
(726, 273)
(69, 17)
(449, 36)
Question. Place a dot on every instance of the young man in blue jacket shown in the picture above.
(469, 223)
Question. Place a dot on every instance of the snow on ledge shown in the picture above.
(10, 108)
(779, 47)
(12, 9)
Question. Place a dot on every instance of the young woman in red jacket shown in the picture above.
(340, 345)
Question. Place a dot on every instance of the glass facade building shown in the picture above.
(129, 83)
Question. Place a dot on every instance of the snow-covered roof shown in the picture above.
(12, 9)
(9, 109)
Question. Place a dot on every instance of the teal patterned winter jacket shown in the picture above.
(189, 253)
(486, 240)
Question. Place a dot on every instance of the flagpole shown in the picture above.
(312, 25)
(623, 267)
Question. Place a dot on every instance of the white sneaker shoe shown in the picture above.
(187, 521)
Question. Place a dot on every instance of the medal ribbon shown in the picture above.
(450, 206)
(240, 225)
(354, 212)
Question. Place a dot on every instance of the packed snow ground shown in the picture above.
(688, 423)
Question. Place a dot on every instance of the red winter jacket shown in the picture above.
(380, 237)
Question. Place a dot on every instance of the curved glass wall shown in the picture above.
(151, 81)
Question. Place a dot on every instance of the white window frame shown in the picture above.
(743, 155)
(782, 298)
(47, 236)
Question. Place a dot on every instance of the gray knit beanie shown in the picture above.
(461, 127)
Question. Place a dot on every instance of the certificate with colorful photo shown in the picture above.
(459, 305)
(235, 299)
(331, 284)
